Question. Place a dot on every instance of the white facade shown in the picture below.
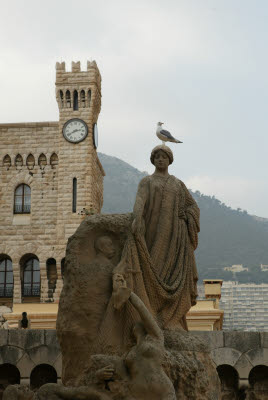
(245, 306)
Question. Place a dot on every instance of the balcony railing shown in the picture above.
(6, 291)
(34, 291)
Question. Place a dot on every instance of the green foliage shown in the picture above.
(227, 236)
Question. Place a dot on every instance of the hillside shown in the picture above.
(227, 236)
(120, 184)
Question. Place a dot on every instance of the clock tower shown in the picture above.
(80, 174)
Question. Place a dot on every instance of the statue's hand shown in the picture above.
(106, 373)
(118, 281)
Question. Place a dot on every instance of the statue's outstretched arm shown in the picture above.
(148, 320)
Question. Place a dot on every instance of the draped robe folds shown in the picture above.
(158, 263)
(166, 249)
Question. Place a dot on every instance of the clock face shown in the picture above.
(75, 130)
(95, 135)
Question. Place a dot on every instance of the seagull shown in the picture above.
(164, 135)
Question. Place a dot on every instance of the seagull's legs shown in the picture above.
(163, 143)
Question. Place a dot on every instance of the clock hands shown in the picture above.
(74, 131)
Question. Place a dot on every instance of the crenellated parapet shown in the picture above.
(77, 89)
(60, 66)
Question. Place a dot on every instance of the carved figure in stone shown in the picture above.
(144, 361)
(142, 376)
(159, 247)
(139, 273)
(91, 290)
(52, 391)
(166, 226)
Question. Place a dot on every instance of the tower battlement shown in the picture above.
(60, 66)
(76, 67)
(78, 89)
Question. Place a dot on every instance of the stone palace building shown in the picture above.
(50, 176)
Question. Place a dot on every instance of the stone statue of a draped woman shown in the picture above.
(165, 226)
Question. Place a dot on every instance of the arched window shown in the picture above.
(74, 194)
(31, 278)
(7, 161)
(42, 161)
(83, 98)
(22, 199)
(30, 161)
(6, 277)
(61, 99)
(54, 160)
(51, 276)
(75, 102)
(68, 99)
(88, 98)
(18, 161)
(41, 375)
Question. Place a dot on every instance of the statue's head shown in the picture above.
(161, 152)
(104, 245)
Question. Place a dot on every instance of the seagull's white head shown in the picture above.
(160, 123)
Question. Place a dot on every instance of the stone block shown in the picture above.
(243, 367)
(44, 354)
(5, 310)
(258, 356)
(51, 338)
(58, 365)
(242, 341)
(26, 338)
(264, 339)
(10, 354)
(25, 366)
(212, 339)
(224, 355)
(3, 337)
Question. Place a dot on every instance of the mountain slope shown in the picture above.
(227, 236)
(120, 184)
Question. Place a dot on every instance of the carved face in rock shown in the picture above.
(161, 160)
(105, 246)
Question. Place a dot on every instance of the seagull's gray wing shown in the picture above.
(167, 134)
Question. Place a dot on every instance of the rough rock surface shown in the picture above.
(190, 367)
(81, 298)
(18, 392)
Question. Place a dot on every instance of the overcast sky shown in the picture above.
(200, 66)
